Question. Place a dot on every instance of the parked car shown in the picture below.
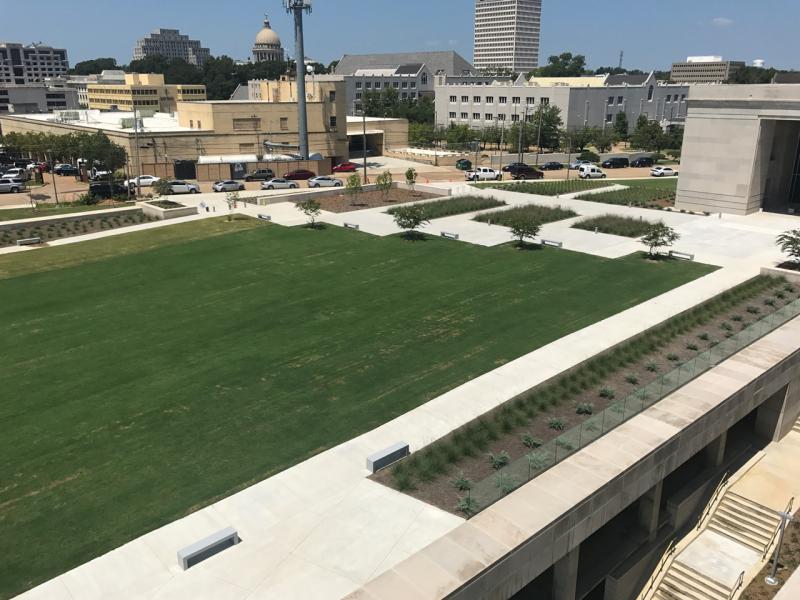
(483, 174)
(463, 164)
(345, 167)
(574, 166)
(260, 175)
(590, 172)
(38, 166)
(616, 162)
(141, 181)
(105, 190)
(64, 169)
(12, 185)
(17, 173)
(278, 183)
(663, 172)
(552, 166)
(525, 172)
(228, 185)
(507, 168)
(300, 174)
(99, 175)
(643, 161)
(178, 186)
(324, 181)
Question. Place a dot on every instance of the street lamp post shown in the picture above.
(772, 578)
(297, 7)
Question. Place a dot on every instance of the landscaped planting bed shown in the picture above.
(445, 472)
(787, 565)
(53, 210)
(541, 214)
(448, 207)
(651, 193)
(624, 226)
(345, 202)
(548, 188)
(70, 227)
(166, 204)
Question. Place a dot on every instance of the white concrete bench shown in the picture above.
(29, 241)
(448, 235)
(265, 217)
(387, 456)
(681, 255)
(207, 547)
(552, 243)
(355, 226)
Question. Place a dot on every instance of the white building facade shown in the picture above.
(24, 65)
(507, 34)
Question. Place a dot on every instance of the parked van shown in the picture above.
(17, 173)
(590, 172)
(617, 162)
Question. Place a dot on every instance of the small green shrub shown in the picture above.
(737, 318)
(769, 302)
(632, 379)
(692, 347)
(505, 483)
(499, 460)
(531, 442)
(780, 295)
(672, 357)
(726, 326)
(565, 444)
(753, 310)
(467, 505)
(556, 424)
(584, 408)
(538, 460)
(461, 483)
(651, 367)
(704, 336)
(403, 480)
(607, 393)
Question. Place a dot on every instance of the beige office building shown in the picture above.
(704, 69)
(143, 91)
(507, 34)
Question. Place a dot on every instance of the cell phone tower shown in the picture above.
(297, 8)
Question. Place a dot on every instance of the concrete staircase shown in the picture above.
(681, 582)
(796, 426)
(745, 522)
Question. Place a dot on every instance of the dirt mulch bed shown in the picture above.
(639, 371)
(790, 265)
(787, 564)
(70, 226)
(373, 199)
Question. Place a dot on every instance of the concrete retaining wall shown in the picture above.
(793, 276)
(166, 213)
(325, 192)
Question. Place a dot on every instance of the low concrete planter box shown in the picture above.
(788, 274)
(166, 213)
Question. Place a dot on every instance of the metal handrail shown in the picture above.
(775, 533)
(739, 583)
(662, 563)
(713, 501)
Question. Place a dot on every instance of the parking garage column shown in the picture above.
(649, 507)
(565, 576)
(715, 451)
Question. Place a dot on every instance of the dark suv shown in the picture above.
(105, 190)
(260, 175)
(617, 162)
(522, 171)
(643, 161)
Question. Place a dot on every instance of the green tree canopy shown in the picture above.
(563, 65)
(621, 125)
(93, 66)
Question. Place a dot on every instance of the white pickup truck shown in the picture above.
(483, 174)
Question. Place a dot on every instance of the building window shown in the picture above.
(488, 116)
(453, 98)
(465, 115)
(611, 100)
(412, 94)
(191, 123)
(246, 124)
(476, 99)
(620, 99)
(199, 124)
(650, 91)
(332, 122)
(358, 85)
(544, 101)
(530, 101)
(515, 100)
(413, 85)
(405, 95)
(529, 118)
(476, 116)
(358, 95)
(385, 85)
(405, 85)
(395, 85)
(489, 99)
(501, 117)
(284, 123)
(452, 115)
(669, 98)
(514, 118)
(368, 85)
(465, 98)
(332, 96)
(424, 79)
(608, 118)
(503, 99)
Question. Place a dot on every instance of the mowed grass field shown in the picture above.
(146, 375)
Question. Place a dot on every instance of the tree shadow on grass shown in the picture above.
(527, 246)
(414, 236)
(317, 225)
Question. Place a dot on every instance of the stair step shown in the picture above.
(683, 591)
(761, 536)
(756, 522)
(736, 537)
(704, 580)
(734, 504)
(760, 508)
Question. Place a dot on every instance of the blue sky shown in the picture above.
(651, 34)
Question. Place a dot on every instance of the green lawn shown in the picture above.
(148, 374)
(51, 210)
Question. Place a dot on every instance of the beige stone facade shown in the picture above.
(143, 91)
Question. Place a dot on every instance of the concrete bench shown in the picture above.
(355, 226)
(207, 547)
(29, 241)
(265, 217)
(387, 456)
(681, 255)
(552, 243)
(448, 235)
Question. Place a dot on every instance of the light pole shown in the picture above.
(539, 135)
(772, 578)
(53, 174)
(297, 7)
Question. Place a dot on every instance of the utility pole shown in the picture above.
(364, 135)
(539, 135)
(53, 174)
(138, 162)
(297, 7)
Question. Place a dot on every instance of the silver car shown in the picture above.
(229, 185)
(278, 184)
(324, 181)
(184, 187)
(12, 185)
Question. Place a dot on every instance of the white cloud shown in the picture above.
(721, 22)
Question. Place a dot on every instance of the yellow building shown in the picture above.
(143, 91)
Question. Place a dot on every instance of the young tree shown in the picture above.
(162, 187)
(789, 243)
(384, 183)
(548, 136)
(525, 228)
(231, 198)
(311, 209)
(603, 140)
(659, 236)
(648, 136)
(621, 125)
(353, 187)
(563, 65)
(409, 218)
(411, 178)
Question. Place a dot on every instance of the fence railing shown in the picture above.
(707, 510)
(662, 564)
(787, 511)
(739, 583)
(487, 491)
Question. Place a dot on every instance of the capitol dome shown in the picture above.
(268, 44)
